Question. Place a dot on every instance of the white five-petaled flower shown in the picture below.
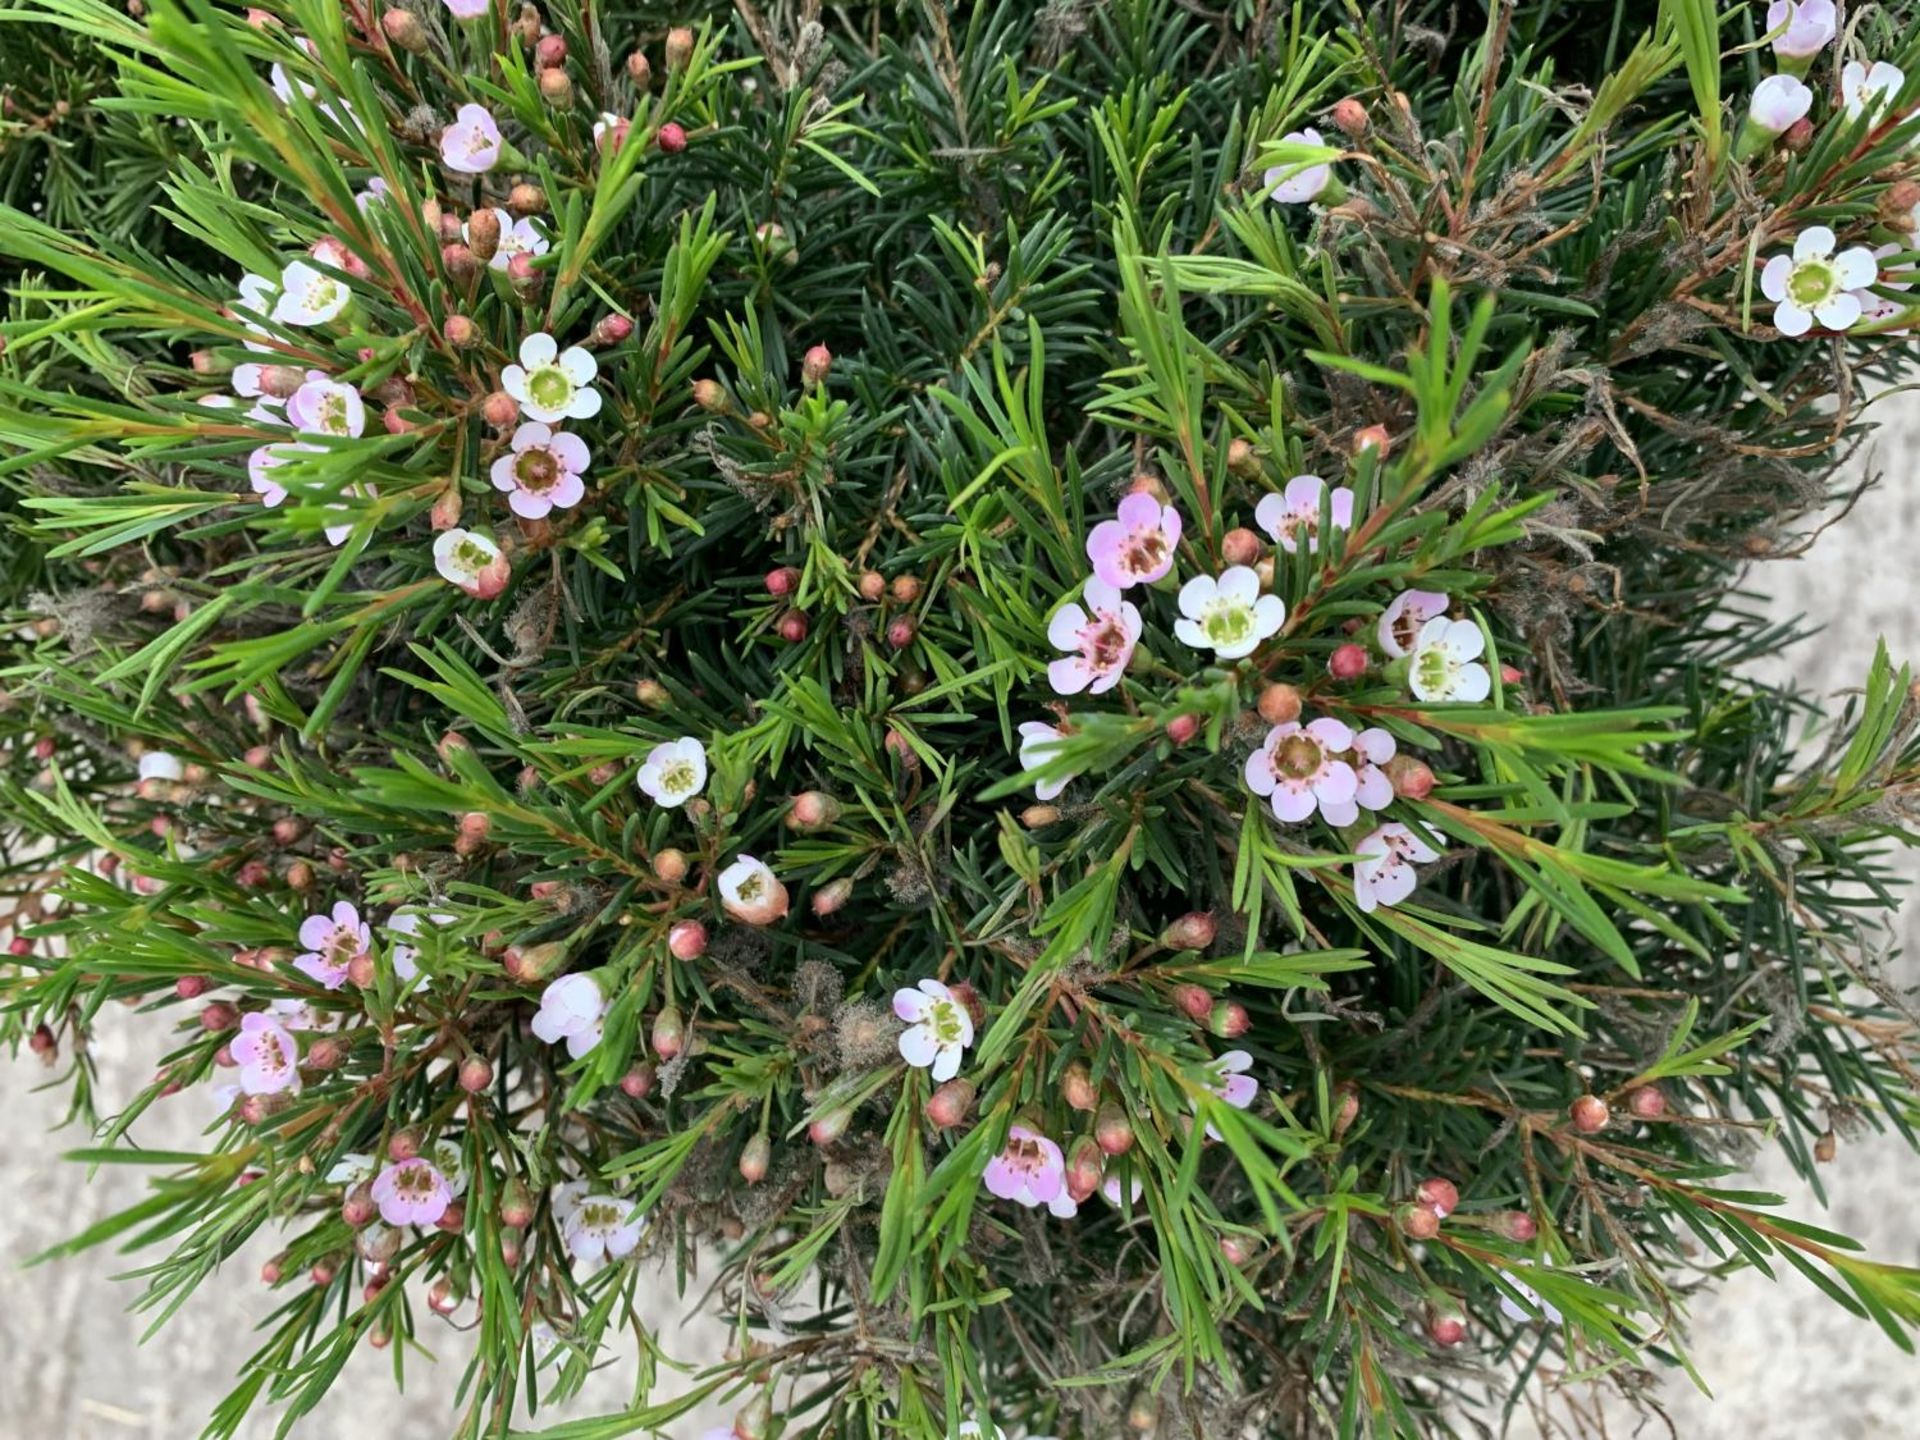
(1372, 749)
(674, 771)
(1385, 874)
(1228, 615)
(1038, 742)
(471, 144)
(1778, 102)
(552, 384)
(751, 892)
(1816, 284)
(471, 561)
(938, 1028)
(603, 1227)
(1400, 625)
(1294, 184)
(1295, 513)
(541, 471)
(1866, 91)
(1102, 641)
(327, 407)
(1299, 769)
(1446, 662)
(571, 1009)
(517, 237)
(309, 296)
(1804, 27)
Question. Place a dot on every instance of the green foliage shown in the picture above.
(889, 305)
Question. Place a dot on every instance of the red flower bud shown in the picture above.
(1182, 728)
(549, 51)
(1229, 1020)
(901, 632)
(793, 626)
(612, 328)
(949, 1104)
(783, 581)
(1439, 1195)
(1240, 546)
(671, 138)
(219, 1016)
(637, 1083)
(1348, 662)
(1446, 1325)
(187, 987)
(1192, 931)
(1590, 1114)
(687, 940)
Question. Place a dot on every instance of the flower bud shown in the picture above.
(459, 260)
(1897, 205)
(549, 51)
(687, 940)
(1112, 1129)
(1078, 1090)
(1439, 1195)
(826, 1128)
(1350, 117)
(516, 1204)
(44, 1043)
(526, 199)
(475, 1075)
(1799, 137)
(815, 365)
(679, 47)
(905, 589)
(1348, 662)
(441, 1298)
(1229, 1020)
(832, 896)
(670, 866)
(637, 1083)
(360, 972)
(404, 30)
(793, 626)
(1240, 546)
(1412, 780)
(1279, 704)
(1086, 1168)
(652, 694)
(755, 1159)
(187, 987)
(1446, 1325)
(1514, 1225)
(711, 396)
(873, 585)
(783, 581)
(1416, 1222)
(901, 632)
(1647, 1102)
(1589, 1114)
(533, 964)
(483, 233)
(357, 1208)
(500, 410)
(510, 1247)
(613, 328)
(949, 1104)
(813, 810)
(1038, 817)
(329, 1052)
(669, 1033)
(671, 138)
(1374, 438)
(1182, 728)
(1193, 931)
(219, 1016)
(639, 69)
(1242, 459)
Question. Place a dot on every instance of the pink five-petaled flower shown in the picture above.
(571, 1009)
(1400, 626)
(266, 1055)
(471, 144)
(1038, 742)
(1103, 640)
(1803, 26)
(1031, 1171)
(1294, 184)
(674, 772)
(1384, 873)
(1295, 512)
(1446, 662)
(1137, 547)
(938, 1028)
(412, 1192)
(1227, 1078)
(1867, 91)
(1816, 284)
(1228, 615)
(471, 561)
(599, 1228)
(327, 407)
(552, 384)
(333, 943)
(266, 458)
(1297, 768)
(309, 296)
(541, 472)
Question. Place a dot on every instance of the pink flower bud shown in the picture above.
(1078, 1090)
(532, 964)
(1647, 1102)
(815, 364)
(669, 1033)
(901, 631)
(637, 1083)
(639, 69)
(1112, 1129)
(793, 626)
(1374, 438)
(404, 29)
(1242, 459)
(1229, 1020)
(827, 1128)
(1514, 1225)
(1410, 778)
(475, 1075)
(556, 87)
(1417, 1222)
(1193, 931)
(679, 47)
(549, 51)
(219, 1016)
(813, 810)
(687, 940)
(1182, 728)
(950, 1103)
(830, 897)
(500, 410)
(1439, 1195)
(1590, 1114)
(1350, 117)
(187, 987)
(1240, 546)
(1195, 1001)
(671, 138)
(1446, 1325)
(783, 581)
(755, 1158)
(1348, 662)
(711, 396)
(612, 329)
(1086, 1168)
(516, 1204)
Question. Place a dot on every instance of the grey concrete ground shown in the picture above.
(1783, 1361)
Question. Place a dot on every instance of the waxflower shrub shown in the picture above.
(1054, 696)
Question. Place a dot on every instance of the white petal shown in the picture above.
(1063, 631)
(1790, 319)
(1814, 242)
(537, 349)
